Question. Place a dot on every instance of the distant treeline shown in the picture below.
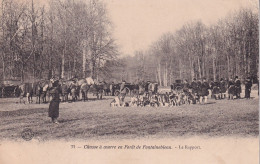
(223, 50)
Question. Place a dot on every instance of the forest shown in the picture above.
(226, 49)
(73, 38)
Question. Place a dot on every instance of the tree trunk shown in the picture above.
(228, 66)
(214, 68)
(3, 57)
(199, 68)
(84, 60)
(159, 74)
(191, 68)
(63, 61)
(180, 68)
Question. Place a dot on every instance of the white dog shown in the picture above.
(115, 102)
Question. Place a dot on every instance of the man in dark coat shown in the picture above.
(194, 86)
(54, 104)
(238, 89)
(216, 89)
(248, 85)
(199, 84)
(204, 91)
(186, 86)
(231, 89)
(223, 88)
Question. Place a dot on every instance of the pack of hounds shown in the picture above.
(156, 100)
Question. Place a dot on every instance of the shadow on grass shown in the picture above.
(209, 103)
(69, 120)
(21, 112)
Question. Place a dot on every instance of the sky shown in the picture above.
(139, 23)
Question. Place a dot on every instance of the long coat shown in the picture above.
(238, 86)
(248, 85)
(216, 88)
(223, 88)
(204, 89)
(54, 104)
(231, 88)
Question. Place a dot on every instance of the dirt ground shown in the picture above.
(95, 119)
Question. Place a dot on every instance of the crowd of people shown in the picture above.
(195, 92)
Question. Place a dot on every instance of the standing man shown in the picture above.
(194, 86)
(248, 85)
(211, 85)
(237, 87)
(204, 91)
(231, 89)
(54, 104)
(216, 90)
(122, 92)
(186, 86)
(223, 89)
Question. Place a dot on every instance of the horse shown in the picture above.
(98, 89)
(106, 88)
(38, 92)
(85, 85)
(45, 89)
(64, 92)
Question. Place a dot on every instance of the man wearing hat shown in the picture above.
(204, 91)
(248, 85)
(54, 104)
(194, 86)
(231, 89)
(223, 88)
(237, 87)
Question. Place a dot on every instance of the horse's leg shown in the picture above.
(86, 95)
(83, 96)
(97, 95)
(101, 94)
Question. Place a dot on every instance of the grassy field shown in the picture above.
(95, 119)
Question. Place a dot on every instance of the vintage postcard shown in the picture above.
(129, 81)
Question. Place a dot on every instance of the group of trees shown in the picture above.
(222, 50)
(64, 38)
(70, 38)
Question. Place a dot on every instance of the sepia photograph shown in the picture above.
(129, 81)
